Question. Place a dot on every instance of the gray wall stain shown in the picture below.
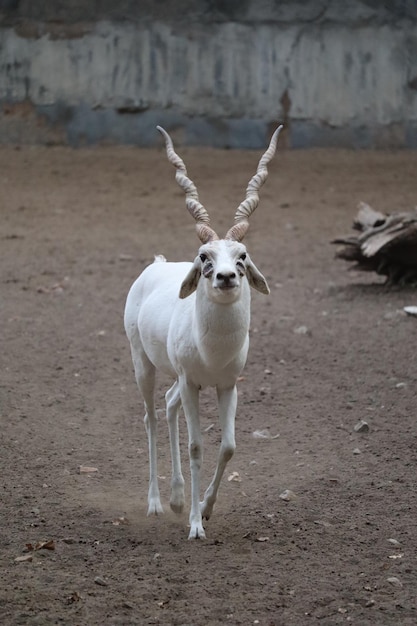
(225, 72)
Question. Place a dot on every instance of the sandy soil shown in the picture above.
(77, 227)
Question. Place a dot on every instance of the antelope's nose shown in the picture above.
(226, 280)
(225, 277)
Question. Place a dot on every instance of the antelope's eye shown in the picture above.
(242, 256)
(203, 257)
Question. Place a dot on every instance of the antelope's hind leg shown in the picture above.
(173, 402)
(145, 378)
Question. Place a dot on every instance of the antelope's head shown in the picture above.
(223, 263)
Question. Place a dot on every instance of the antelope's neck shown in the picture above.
(222, 329)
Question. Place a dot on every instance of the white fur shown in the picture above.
(191, 321)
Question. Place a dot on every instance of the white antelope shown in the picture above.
(191, 321)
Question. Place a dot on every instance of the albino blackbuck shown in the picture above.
(191, 321)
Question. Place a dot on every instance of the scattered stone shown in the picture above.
(357, 451)
(235, 477)
(84, 469)
(288, 495)
(393, 580)
(400, 385)
(396, 556)
(301, 330)
(361, 427)
(100, 581)
(410, 310)
(394, 542)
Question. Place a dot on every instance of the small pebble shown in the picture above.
(357, 451)
(393, 580)
(411, 310)
(301, 330)
(394, 542)
(361, 427)
(100, 581)
(287, 495)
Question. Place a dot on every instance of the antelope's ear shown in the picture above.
(255, 278)
(190, 282)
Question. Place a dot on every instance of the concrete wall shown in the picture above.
(215, 72)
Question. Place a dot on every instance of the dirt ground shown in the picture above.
(329, 348)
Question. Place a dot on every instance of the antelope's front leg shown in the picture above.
(227, 413)
(190, 404)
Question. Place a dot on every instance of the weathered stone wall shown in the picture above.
(216, 72)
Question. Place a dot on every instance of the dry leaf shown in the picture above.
(25, 557)
(120, 520)
(263, 434)
(74, 597)
(45, 545)
(41, 545)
